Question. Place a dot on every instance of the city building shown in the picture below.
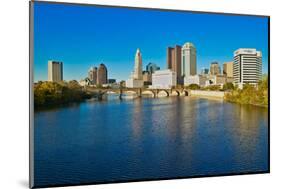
(174, 61)
(164, 79)
(122, 83)
(111, 81)
(188, 65)
(111, 85)
(55, 71)
(152, 67)
(136, 78)
(229, 79)
(215, 68)
(196, 79)
(218, 80)
(138, 66)
(204, 71)
(247, 67)
(147, 78)
(92, 75)
(228, 69)
(102, 75)
(85, 82)
(134, 83)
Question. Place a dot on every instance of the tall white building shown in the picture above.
(164, 79)
(92, 75)
(247, 67)
(55, 72)
(138, 65)
(188, 64)
(136, 79)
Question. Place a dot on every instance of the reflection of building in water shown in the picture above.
(248, 127)
(137, 119)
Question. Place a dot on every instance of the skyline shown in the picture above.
(68, 33)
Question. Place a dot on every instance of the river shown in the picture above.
(145, 138)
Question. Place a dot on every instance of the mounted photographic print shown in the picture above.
(122, 94)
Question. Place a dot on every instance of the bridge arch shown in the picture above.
(150, 92)
(163, 91)
(111, 92)
(129, 92)
(175, 93)
(185, 93)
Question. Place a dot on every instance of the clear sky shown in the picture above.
(85, 36)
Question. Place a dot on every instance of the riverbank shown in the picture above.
(53, 94)
(208, 94)
(257, 96)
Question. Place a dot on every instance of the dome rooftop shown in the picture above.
(188, 45)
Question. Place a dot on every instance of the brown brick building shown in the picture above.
(174, 61)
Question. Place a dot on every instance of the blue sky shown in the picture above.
(84, 36)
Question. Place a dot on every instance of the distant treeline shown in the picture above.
(48, 94)
(250, 94)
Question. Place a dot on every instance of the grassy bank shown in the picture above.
(257, 96)
(50, 94)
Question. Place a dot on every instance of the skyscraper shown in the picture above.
(55, 71)
(174, 61)
(151, 68)
(247, 66)
(138, 65)
(136, 78)
(204, 71)
(188, 66)
(92, 75)
(215, 68)
(102, 75)
(228, 69)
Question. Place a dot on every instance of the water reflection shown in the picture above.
(148, 138)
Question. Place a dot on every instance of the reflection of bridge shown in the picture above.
(139, 92)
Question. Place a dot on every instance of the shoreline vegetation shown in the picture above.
(52, 94)
(257, 96)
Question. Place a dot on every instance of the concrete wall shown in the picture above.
(212, 94)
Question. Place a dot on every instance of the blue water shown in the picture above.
(160, 138)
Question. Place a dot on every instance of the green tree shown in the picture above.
(56, 93)
(228, 86)
(193, 87)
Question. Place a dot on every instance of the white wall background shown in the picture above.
(14, 68)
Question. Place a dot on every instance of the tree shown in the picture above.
(193, 87)
(228, 86)
(213, 87)
(56, 93)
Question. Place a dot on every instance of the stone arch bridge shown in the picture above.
(139, 92)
